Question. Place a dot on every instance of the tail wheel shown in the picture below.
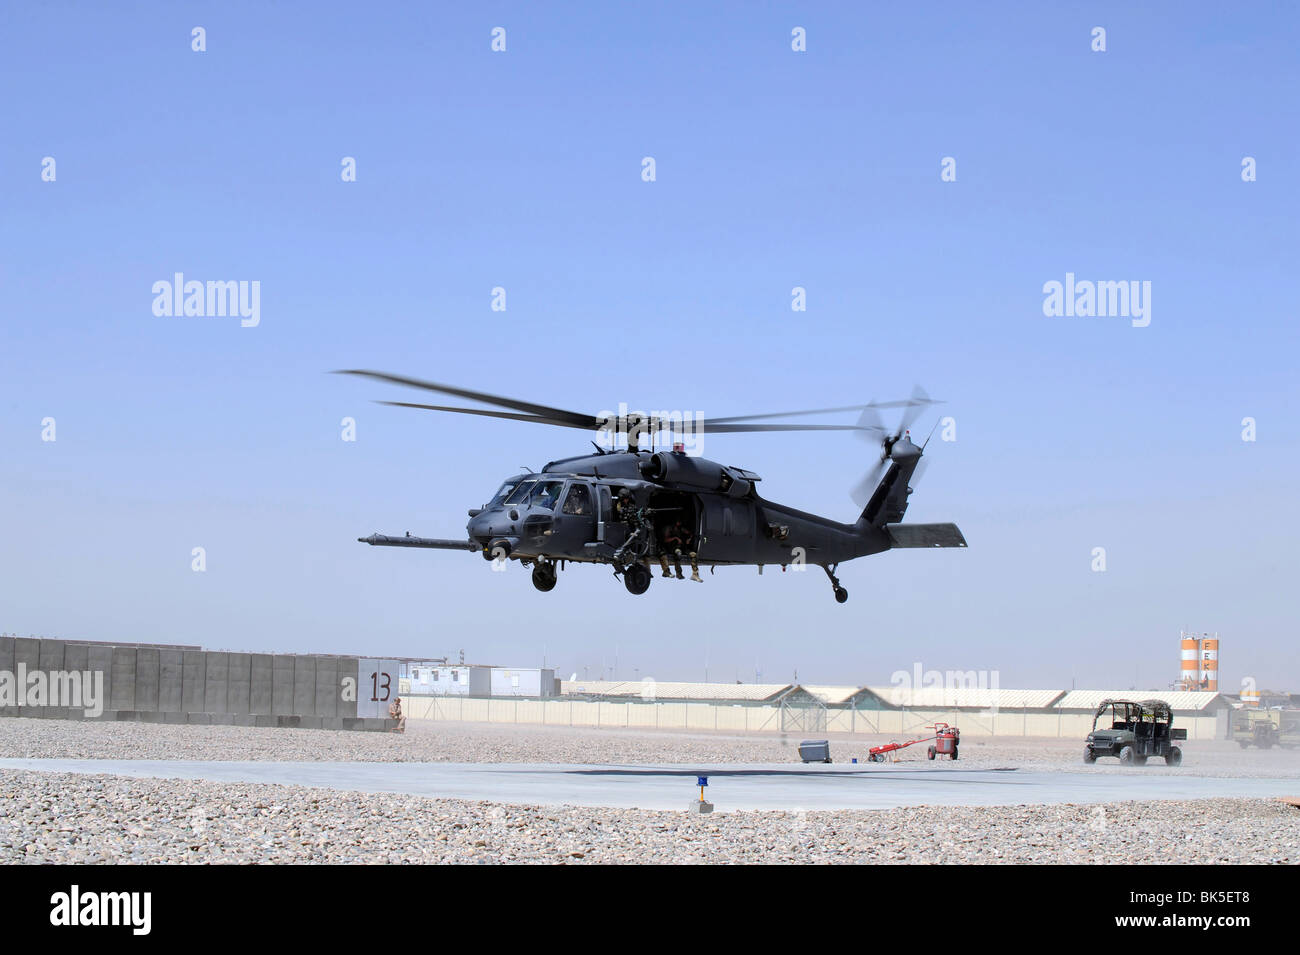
(841, 594)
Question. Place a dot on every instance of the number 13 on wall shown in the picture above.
(377, 686)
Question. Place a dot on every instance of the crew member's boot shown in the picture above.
(663, 562)
(677, 559)
(695, 570)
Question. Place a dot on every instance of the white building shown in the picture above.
(448, 679)
(530, 682)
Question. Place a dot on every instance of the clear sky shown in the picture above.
(774, 169)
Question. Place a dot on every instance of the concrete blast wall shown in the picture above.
(172, 685)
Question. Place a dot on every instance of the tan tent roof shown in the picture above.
(938, 697)
(656, 690)
(1177, 699)
(932, 698)
(833, 695)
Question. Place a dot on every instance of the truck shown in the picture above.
(1133, 732)
(1266, 728)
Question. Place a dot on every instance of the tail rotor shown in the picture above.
(871, 427)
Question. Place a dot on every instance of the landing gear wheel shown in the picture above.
(636, 578)
(841, 594)
(1175, 757)
(544, 577)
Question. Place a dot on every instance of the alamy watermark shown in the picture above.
(194, 299)
(954, 687)
(76, 907)
(616, 428)
(1087, 299)
(73, 689)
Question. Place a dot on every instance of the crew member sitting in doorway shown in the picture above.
(688, 544)
(678, 538)
(670, 541)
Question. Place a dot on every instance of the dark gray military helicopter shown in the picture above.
(627, 508)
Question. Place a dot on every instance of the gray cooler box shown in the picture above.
(815, 751)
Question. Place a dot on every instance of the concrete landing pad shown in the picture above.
(731, 787)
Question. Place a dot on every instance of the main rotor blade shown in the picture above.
(533, 419)
(649, 425)
(573, 418)
(559, 417)
(708, 426)
(812, 411)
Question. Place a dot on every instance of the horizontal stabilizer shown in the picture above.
(925, 535)
(380, 540)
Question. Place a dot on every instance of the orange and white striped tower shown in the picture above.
(1210, 663)
(1189, 677)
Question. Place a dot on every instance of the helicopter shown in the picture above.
(628, 508)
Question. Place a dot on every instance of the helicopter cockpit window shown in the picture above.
(520, 493)
(502, 494)
(546, 494)
(578, 501)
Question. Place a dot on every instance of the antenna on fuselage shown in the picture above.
(930, 435)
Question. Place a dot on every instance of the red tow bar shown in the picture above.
(945, 741)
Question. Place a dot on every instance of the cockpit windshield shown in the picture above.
(534, 493)
(546, 494)
(502, 494)
(520, 493)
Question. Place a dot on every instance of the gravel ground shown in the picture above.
(73, 818)
(428, 741)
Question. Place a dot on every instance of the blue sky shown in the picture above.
(774, 169)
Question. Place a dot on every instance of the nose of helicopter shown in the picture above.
(480, 526)
(487, 526)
